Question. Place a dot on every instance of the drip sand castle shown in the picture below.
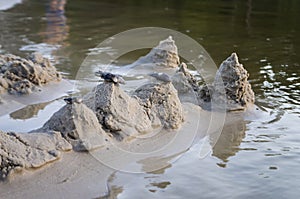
(108, 114)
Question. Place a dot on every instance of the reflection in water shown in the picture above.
(28, 117)
(231, 137)
(28, 111)
(160, 185)
(113, 193)
(113, 190)
(248, 16)
(57, 30)
(162, 170)
(55, 33)
(157, 162)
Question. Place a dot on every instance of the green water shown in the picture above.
(261, 158)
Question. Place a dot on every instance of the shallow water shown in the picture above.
(261, 155)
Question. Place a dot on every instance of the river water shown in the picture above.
(258, 157)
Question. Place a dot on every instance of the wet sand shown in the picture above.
(83, 175)
(49, 92)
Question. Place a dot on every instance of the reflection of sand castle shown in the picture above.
(28, 111)
(230, 138)
(107, 112)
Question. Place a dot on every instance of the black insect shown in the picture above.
(72, 100)
(110, 77)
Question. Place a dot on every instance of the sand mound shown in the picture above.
(30, 150)
(22, 76)
(234, 90)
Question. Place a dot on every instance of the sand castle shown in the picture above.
(107, 112)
